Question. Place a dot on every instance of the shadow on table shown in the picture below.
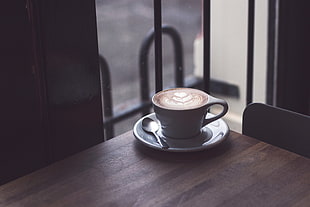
(211, 153)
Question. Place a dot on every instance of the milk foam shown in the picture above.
(181, 98)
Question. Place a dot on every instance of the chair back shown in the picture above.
(279, 127)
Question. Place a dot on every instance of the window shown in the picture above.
(122, 27)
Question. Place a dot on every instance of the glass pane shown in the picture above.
(122, 26)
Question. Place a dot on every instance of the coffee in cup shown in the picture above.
(180, 99)
(182, 111)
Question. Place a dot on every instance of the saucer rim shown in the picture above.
(206, 145)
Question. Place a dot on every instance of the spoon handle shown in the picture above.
(161, 142)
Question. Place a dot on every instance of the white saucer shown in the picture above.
(212, 135)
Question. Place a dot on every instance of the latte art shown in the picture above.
(181, 98)
(184, 100)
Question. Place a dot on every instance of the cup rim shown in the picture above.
(186, 109)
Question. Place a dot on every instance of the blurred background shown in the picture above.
(122, 26)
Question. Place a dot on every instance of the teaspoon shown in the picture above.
(151, 126)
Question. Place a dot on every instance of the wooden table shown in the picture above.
(121, 172)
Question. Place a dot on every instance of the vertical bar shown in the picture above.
(272, 51)
(251, 14)
(206, 44)
(144, 70)
(158, 45)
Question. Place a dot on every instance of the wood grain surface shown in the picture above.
(121, 172)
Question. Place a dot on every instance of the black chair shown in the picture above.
(279, 127)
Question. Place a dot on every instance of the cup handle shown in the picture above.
(213, 101)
